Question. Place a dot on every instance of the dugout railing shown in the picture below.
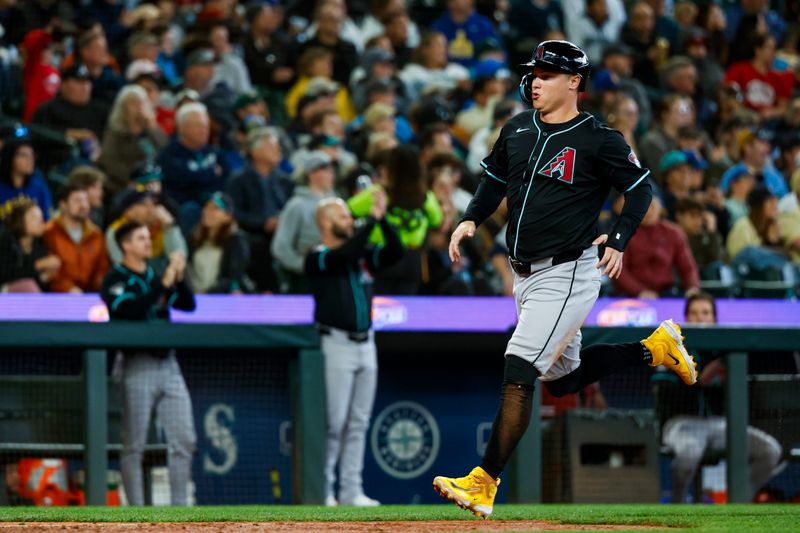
(306, 387)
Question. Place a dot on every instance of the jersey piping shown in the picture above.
(541, 151)
(519, 220)
(558, 319)
(638, 181)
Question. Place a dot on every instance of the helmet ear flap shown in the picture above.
(525, 89)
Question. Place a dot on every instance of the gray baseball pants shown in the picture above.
(149, 381)
(351, 377)
(690, 436)
(552, 304)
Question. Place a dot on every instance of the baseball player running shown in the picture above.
(556, 166)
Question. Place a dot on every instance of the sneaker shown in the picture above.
(666, 346)
(475, 492)
(361, 500)
(330, 501)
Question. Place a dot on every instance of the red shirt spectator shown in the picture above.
(40, 79)
(765, 90)
(657, 248)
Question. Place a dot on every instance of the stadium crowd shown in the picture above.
(222, 124)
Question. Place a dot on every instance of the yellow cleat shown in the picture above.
(475, 492)
(666, 346)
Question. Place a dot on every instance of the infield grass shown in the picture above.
(695, 517)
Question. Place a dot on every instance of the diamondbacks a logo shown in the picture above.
(405, 440)
(561, 166)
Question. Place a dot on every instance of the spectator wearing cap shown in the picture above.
(77, 242)
(297, 231)
(229, 67)
(219, 253)
(132, 137)
(618, 59)
(755, 147)
(147, 75)
(676, 180)
(464, 29)
(479, 146)
(789, 221)
(139, 205)
(216, 94)
(40, 78)
(19, 177)
(757, 235)
(344, 161)
(655, 252)
(73, 112)
(92, 51)
(329, 18)
(259, 192)
(675, 113)
(430, 68)
(192, 168)
(696, 48)
(377, 67)
(765, 90)
(740, 183)
(148, 177)
(91, 179)
(267, 47)
(314, 79)
(486, 92)
(700, 228)
(594, 30)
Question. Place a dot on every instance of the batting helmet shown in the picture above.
(561, 56)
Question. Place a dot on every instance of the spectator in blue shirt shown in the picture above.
(465, 30)
(20, 178)
(755, 148)
(192, 168)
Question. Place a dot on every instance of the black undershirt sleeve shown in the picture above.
(637, 202)
(488, 196)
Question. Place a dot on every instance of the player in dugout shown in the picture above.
(150, 378)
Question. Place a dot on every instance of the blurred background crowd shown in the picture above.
(222, 123)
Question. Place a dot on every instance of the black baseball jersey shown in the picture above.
(131, 295)
(340, 279)
(556, 178)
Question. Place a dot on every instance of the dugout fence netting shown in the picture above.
(644, 436)
(240, 413)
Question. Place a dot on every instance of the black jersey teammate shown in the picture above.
(556, 165)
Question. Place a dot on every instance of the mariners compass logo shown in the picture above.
(405, 440)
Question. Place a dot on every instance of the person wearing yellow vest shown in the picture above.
(412, 211)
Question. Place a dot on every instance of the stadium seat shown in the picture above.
(720, 280)
(771, 282)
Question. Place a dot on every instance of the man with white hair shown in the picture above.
(260, 191)
(192, 168)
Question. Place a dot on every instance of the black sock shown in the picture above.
(601, 360)
(509, 426)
